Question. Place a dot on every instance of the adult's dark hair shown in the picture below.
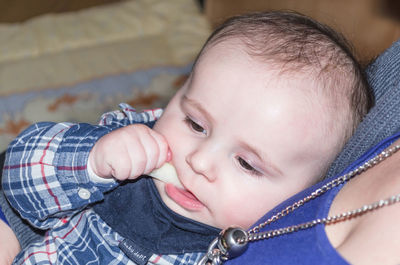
(298, 44)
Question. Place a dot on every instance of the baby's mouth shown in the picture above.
(183, 197)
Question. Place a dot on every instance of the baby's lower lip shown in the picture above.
(183, 197)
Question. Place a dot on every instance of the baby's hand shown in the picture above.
(129, 152)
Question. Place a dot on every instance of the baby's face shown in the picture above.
(242, 138)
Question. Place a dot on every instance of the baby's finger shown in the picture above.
(138, 160)
(164, 151)
(151, 148)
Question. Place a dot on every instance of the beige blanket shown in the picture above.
(74, 66)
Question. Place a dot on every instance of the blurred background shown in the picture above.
(72, 60)
(371, 25)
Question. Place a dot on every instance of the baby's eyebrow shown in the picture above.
(198, 106)
(263, 158)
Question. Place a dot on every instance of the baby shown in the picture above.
(271, 100)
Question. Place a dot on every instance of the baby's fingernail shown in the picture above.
(169, 155)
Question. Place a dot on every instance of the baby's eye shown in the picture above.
(246, 166)
(195, 126)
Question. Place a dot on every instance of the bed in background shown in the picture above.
(74, 66)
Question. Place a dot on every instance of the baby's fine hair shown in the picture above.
(298, 44)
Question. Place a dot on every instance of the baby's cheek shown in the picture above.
(238, 215)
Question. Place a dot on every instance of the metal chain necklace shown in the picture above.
(233, 241)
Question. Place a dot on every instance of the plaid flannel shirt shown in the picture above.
(46, 180)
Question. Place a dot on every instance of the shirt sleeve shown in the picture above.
(45, 175)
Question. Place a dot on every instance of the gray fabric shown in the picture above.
(384, 118)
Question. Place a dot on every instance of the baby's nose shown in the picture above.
(202, 161)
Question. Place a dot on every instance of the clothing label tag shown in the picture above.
(136, 253)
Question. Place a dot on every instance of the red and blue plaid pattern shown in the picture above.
(44, 176)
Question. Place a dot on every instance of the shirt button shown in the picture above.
(84, 194)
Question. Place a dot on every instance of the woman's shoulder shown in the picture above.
(377, 232)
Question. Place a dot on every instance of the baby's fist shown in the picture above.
(128, 152)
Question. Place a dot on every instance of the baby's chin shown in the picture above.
(184, 203)
(191, 209)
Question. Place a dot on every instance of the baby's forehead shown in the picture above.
(308, 79)
(281, 64)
